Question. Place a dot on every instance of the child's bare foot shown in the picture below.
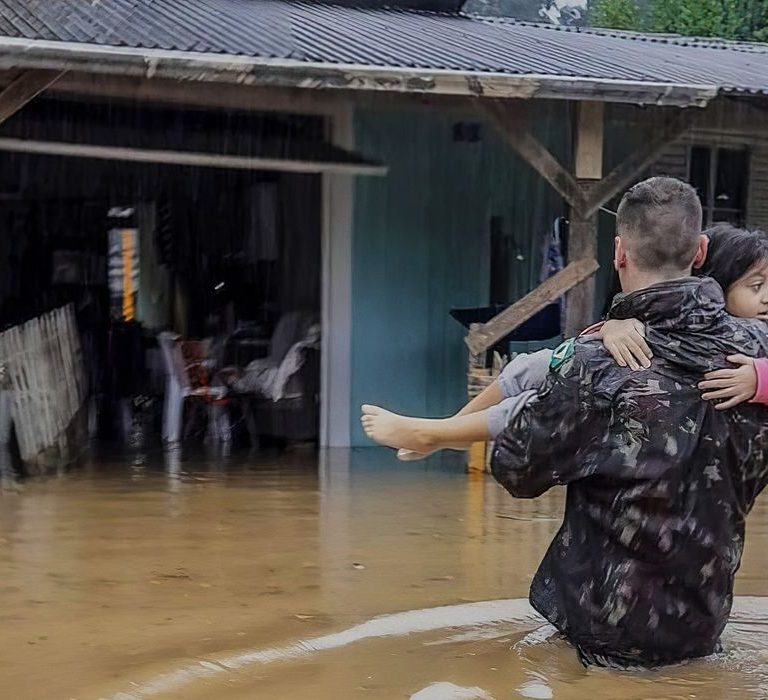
(391, 429)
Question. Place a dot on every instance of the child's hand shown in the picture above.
(737, 385)
(625, 340)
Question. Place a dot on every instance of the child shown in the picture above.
(737, 260)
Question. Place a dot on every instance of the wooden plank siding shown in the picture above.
(673, 162)
(757, 198)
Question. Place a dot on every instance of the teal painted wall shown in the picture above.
(420, 246)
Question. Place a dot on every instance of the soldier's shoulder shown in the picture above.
(583, 354)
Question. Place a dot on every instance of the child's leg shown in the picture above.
(523, 374)
(418, 437)
(490, 396)
(424, 435)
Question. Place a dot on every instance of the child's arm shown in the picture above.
(761, 375)
(747, 381)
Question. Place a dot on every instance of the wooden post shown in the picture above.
(582, 236)
(580, 302)
(589, 140)
(180, 308)
(475, 372)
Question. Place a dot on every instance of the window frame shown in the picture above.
(708, 201)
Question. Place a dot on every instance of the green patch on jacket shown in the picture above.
(562, 354)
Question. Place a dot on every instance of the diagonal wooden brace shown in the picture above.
(513, 124)
(24, 89)
(482, 338)
(626, 173)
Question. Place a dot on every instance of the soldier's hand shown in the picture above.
(730, 387)
(625, 340)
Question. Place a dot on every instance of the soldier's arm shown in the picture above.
(557, 438)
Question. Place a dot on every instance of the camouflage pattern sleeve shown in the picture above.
(562, 435)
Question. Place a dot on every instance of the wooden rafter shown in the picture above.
(513, 124)
(483, 337)
(628, 171)
(24, 89)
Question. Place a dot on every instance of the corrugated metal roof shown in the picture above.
(335, 34)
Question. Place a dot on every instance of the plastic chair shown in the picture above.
(179, 389)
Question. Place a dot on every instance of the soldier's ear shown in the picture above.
(619, 254)
(701, 252)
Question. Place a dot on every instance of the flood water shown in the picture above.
(278, 577)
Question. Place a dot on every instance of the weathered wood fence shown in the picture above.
(44, 386)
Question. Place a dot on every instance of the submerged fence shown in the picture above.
(44, 385)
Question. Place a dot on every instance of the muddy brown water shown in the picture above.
(282, 577)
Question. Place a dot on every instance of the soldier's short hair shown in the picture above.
(661, 220)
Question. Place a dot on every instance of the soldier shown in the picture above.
(659, 481)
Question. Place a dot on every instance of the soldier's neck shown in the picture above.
(635, 280)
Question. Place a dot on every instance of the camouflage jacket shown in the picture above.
(659, 482)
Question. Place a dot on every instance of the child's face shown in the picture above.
(748, 296)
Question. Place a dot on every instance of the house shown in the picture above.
(406, 142)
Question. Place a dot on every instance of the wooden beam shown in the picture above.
(513, 124)
(474, 85)
(24, 89)
(192, 158)
(479, 340)
(251, 98)
(589, 140)
(634, 166)
(200, 94)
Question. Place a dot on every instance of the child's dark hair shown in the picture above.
(733, 252)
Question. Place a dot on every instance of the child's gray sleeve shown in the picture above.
(500, 415)
(525, 372)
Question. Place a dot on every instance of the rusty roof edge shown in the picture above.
(281, 72)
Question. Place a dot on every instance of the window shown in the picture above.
(720, 176)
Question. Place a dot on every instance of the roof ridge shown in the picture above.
(631, 35)
(351, 5)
